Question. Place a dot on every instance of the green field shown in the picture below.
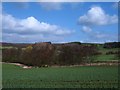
(5, 47)
(60, 77)
(64, 77)
(103, 56)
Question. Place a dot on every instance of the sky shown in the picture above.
(58, 22)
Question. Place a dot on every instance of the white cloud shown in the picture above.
(97, 35)
(97, 16)
(51, 5)
(115, 5)
(100, 35)
(86, 29)
(30, 25)
(0, 22)
(0, 7)
(31, 29)
(93, 34)
(13, 37)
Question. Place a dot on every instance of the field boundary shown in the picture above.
(111, 63)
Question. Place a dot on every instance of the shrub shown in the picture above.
(112, 52)
(42, 54)
(10, 55)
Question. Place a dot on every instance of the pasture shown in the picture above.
(103, 56)
(60, 77)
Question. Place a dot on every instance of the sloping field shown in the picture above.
(104, 57)
(60, 77)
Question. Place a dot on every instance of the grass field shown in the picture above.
(104, 57)
(5, 47)
(60, 77)
(63, 77)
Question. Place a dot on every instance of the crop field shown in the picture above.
(60, 77)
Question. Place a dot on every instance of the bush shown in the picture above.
(42, 54)
(10, 55)
(112, 45)
(112, 52)
(76, 54)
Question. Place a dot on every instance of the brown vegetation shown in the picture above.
(41, 54)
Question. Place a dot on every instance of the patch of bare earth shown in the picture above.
(21, 65)
(109, 63)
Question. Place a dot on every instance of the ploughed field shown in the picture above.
(60, 77)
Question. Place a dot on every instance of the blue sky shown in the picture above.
(59, 22)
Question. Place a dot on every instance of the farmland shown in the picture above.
(59, 44)
(104, 57)
(67, 66)
(60, 77)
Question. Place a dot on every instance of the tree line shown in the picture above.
(41, 54)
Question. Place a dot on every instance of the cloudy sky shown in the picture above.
(59, 22)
